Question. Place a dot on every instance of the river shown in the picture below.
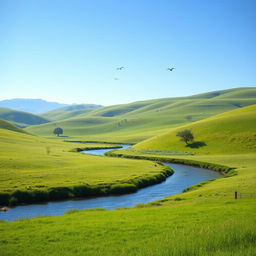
(183, 177)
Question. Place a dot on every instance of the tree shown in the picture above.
(185, 135)
(58, 131)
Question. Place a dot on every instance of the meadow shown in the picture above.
(36, 169)
(223, 227)
(204, 220)
(137, 121)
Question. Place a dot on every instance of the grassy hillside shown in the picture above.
(233, 131)
(137, 121)
(8, 126)
(35, 169)
(21, 118)
(206, 220)
(69, 111)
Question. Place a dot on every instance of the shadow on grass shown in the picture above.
(197, 144)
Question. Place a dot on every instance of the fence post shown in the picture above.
(235, 194)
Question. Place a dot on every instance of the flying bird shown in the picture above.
(171, 69)
(120, 68)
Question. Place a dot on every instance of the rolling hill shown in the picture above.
(8, 126)
(20, 118)
(69, 111)
(138, 121)
(233, 131)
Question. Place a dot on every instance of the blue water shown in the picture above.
(183, 177)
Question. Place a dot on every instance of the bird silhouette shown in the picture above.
(171, 69)
(120, 68)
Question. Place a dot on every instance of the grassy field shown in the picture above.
(8, 126)
(34, 169)
(138, 121)
(204, 220)
(233, 131)
(221, 228)
(69, 111)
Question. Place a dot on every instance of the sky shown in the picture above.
(68, 51)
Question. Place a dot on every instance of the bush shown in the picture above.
(41, 195)
(23, 196)
(87, 190)
(123, 188)
(60, 193)
(13, 201)
(4, 198)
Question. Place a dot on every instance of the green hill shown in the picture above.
(69, 111)
(138, 121)
(233, 131)
(8, 126)
(21, 118)
(38, 166)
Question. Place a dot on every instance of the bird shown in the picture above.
(171, 69)
(120, 68)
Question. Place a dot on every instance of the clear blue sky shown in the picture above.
(68, 50)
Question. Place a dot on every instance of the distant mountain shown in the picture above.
(20, 118)
(31, 105)
(69, 111)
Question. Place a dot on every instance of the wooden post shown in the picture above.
(235, 194)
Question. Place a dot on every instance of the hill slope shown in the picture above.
(30, 105)
(137, 121)
(21, 118)
(8, 126)
(233, 131)
(69, 111)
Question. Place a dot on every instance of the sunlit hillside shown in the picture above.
(137, 121)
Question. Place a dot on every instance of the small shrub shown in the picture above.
(13, 201)
(59, 193)
(23, 196)
(4, 198)
(123, 188)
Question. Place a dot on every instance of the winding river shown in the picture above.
(183, 177)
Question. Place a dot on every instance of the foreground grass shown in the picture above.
(32, 167)
(206, 220)
(225, 227)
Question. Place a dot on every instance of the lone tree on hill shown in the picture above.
(58, 131)
(185, 135)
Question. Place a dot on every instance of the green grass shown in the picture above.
(219, 228)
(34, 169)
(8, 126)
(69, 111)
(205, 220)
(21, 118)
(233, 132)
(138, 121)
